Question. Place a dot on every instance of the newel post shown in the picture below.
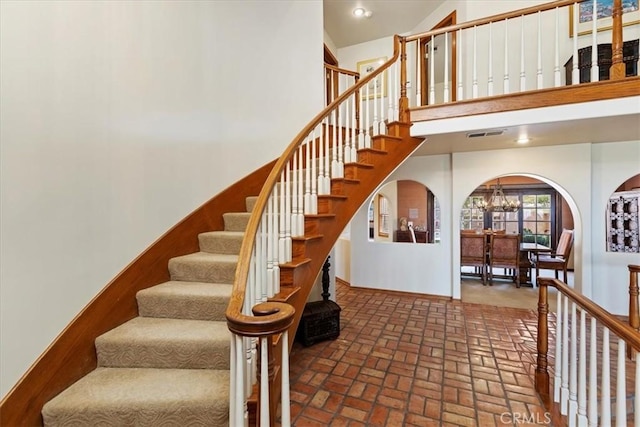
(404, 101)
(618, 69)
(542, 372)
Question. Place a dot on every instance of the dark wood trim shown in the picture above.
(448, 21)
(72, 355)
(329, 57)
(585, 92)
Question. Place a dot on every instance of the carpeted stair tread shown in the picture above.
(221, 242)
(236, 221)
(185, 300)
(137, 397)
(250, 202)
(204, 267)
(147, 342)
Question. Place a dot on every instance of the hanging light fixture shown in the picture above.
(498, 202)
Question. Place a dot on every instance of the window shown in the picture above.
(472, 218)
(383, 216)
(536, 218)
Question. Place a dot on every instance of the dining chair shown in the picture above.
(504, 252)
(473, 253)
(558, 259)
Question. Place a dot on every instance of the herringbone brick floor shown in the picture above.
(409, 360)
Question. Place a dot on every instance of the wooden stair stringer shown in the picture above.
(383, 163)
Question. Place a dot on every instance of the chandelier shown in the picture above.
(498, 202)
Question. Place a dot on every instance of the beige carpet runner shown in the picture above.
(170, 365)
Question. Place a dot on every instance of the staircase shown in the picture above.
(171, 363)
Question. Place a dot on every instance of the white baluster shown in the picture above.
(264, 383)
(573, 369)
(595, 69)
(540, 82)
(323, 138)
(361, 117)
(383, 85)
(564, 402)
(396, 98)
(270, 233)
(490, 82)
(505, 85)
(287, 217)
(294, 196)
(335, 168)
(347, 139)
(582, 373)
(593, 375)
(275, 241)
(420, 57)
(523, 79)
(234, 414)
(474, 83)
(556, 63)
(285, 412)
(460, 92)
(559, 349)
(575, 74)
(313, 201)
(354, 130)
(326, 184)
(367, 135)
(391, 91)
(263, 258)
(307, 176)
(605, 387)
(432, 73)
(340, 132)
(300, 217)
(446, 68)
(282, 257)
(376, 127)
(621, 386)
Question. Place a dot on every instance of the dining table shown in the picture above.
(527, 254)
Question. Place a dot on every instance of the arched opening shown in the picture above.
(529, 207)
(404, 211)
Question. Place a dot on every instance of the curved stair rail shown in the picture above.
(582, 387)
(302, 190)
(476, 63)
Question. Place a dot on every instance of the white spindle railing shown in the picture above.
(477, 58)
(296, 182)
(590, 353)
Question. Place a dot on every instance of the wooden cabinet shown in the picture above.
(629, 57)
(405, 236)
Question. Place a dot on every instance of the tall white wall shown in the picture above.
(612, 164)
(118, 119)
(419, 268)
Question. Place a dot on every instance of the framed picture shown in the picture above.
(630, 15)
(378, 86)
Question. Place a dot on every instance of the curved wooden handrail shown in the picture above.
(494, 18)
(342, 70)
(72, 354)
(621, 329)
(269, 325)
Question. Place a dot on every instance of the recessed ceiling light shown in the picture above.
(358, 12)
(523, 139)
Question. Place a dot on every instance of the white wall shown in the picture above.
(420, 268)
(118, 119)
(612, 164)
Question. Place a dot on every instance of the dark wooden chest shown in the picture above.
(320, 321)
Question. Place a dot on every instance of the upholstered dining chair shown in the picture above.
(473, 253)
(504, 252)
(556, 260)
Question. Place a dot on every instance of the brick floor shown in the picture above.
(411, 360)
